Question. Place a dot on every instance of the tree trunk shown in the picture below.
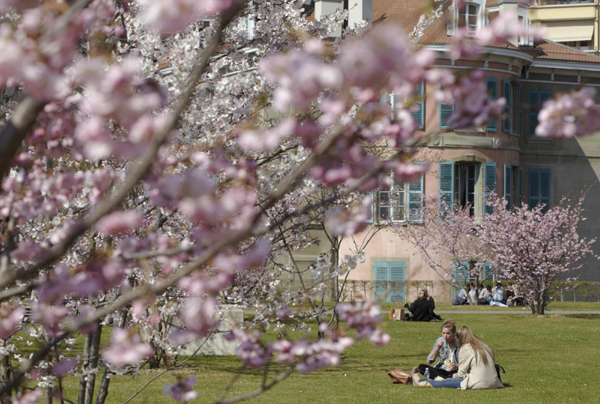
(84, 369)
(94, 352)
(5, 377)
(103, 390)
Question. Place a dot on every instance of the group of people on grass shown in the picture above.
(465, 362)
(486, 295)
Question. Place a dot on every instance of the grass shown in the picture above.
(548, 359)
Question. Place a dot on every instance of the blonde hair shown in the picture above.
(449, 324)
(423, 294)
(480, 348)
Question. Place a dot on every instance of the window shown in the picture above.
(391, 204)
(417, 104)
(507, 118)
(465, 178)
(536, 101)
(492, 89)
(468, 17)
(389, 281)
(458, 183)
(402, 202)
(539, 188)
(521, 39)
(446, 111)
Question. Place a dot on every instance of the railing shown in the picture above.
(388, 291)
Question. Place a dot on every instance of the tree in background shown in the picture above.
(448, 242)
(533, 247)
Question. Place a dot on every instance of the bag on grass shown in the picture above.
(392, 313)
(400, 376)
(498, 370)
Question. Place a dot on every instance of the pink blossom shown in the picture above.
(573, 114)
(126, 348)
(10, 319)
(94, 138)
(182, 390)
(28, 250)
(198, 315)
(119, 222)
(266, 140)
(472, 106)
(63, 367)
(348, 222)
(301, 77)
(50, 316)
(29, 398)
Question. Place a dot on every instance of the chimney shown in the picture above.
(325, 7)
(360, 11)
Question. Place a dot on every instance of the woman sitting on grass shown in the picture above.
(476, 367)
(421, 309)
(446, 347)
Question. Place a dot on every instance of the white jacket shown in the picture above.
(475, 374)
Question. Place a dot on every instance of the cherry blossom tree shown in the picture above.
(157, 156)
(448, 242)
(534, 246)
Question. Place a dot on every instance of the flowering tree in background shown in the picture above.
(158, 155)
(533, 247)
(448, 241)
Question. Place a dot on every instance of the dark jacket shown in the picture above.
(421, 310)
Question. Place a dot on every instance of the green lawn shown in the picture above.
(548, 359)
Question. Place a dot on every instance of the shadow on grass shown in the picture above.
(584, 316)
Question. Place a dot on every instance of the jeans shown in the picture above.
(453, 382)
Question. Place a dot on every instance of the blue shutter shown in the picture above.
(539, 188)
(446, 111)
(419, 108)
(545, 189)
(446, 185)
(536, 102)
(508, 185)
(534, 188)
(381, 280)
(489, 184)
(520, 186)
(507, 93)
(533, 100)
(492, 90)
(396, 276)
(415, 201)
(487, 272)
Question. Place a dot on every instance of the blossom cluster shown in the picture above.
(572, 114)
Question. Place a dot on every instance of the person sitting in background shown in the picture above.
(516, 299)
(476, 366)
(487, 296)
(482, 293)
(461, 298)
(421, 309)
(472, 293)
(498, 293)
(446, 348)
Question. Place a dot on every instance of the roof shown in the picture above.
(556, 51)
(407, 13)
